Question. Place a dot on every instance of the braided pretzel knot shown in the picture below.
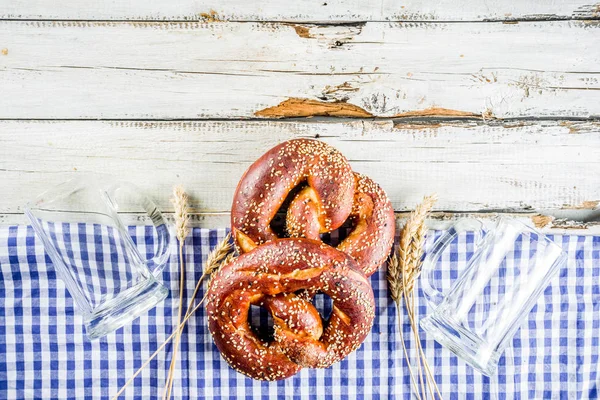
(370, 241)
(266, 184)
(280, 268)
(334, 194)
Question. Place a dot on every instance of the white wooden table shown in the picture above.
(494, 105)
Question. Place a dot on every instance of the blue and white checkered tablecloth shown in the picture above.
(44, 353)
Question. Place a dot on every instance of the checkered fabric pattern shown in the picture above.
(44, 353)
(97, 257)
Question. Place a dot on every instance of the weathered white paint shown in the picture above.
(137, 70)
(311, 10)
(471, 166)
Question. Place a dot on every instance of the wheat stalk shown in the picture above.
(403, 270)
(140, 369)
(180, 202)
(394, 285)
(182, 229)
(405, 266)
(412, 239)
(218, 257)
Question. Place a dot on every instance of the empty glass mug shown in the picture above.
(92, 252)
(509, 270)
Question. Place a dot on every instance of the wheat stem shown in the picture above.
(409, 299)
(410, 370)
(216, 258)
(432, 385)
(169, 384)
(431, 379)
(403, 270)
(220, 256)
(414, 330)
(116, 396)
(182, 225)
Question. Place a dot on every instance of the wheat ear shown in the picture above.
(403, 270)
(412, 240)
(410, 251)
(182, 229)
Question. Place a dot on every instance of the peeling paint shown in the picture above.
(417, 127)
(438, 112)
(585, 205)
(332, 36)
(541, 221)
(339, 93)
(211, 16)
(487, 114)
(590, 23)
(299, 107)
(568, 124)
(591, 205)
(571, 225)
(514, 124)
(344, 87)
(303, 31)
(295, 107)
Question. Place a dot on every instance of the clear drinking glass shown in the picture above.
(92, 252)
(510, 268)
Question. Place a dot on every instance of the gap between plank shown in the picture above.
(533, 18)
(324, 119)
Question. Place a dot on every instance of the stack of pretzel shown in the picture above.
(283, 274)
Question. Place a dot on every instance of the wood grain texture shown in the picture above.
(306, 10)
(139, 70)
(472, 166)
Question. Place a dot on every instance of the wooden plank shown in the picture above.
(313, 10)
(81, 70)
(472, 166)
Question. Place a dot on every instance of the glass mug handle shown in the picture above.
(159, 259)
(433, 295)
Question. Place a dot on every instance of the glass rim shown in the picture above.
(68, 187)
(541, 236)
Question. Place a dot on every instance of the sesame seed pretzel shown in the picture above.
(334, 194)
(266, 184)
(369, 243)
(371, 239)
(280, 268)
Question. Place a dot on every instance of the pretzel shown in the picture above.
(266, 184)
(334, 194)
(370, 241)
(278, 269)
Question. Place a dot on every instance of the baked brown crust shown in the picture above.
(282, 275)
(372, 237)
(268, 181)
(280, 268)
(334, 194)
